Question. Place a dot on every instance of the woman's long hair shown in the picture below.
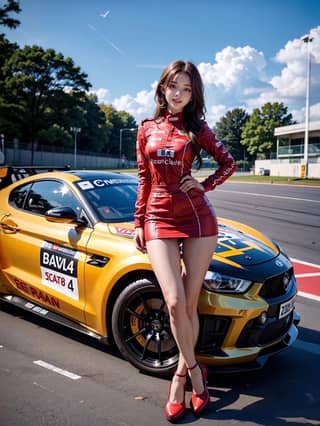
(194, 111)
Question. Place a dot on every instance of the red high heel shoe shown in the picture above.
(175, 410)
(199, 402)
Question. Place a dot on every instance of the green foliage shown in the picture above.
(6, 108)
(35, 81)
(55, 136)
(43, 94)
(115, 121)
(94, 135)
(229, 130)
(5, 19)
(258, 131)
(244, 165)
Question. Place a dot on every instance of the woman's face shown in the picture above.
(178, 93)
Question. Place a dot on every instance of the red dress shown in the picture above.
(165, 155)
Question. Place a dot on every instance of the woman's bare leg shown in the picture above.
(166, 263)
(197, 253)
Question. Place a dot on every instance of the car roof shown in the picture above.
(13, 175)
(100, 174)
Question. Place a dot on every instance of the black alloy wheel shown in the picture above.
(141, 328)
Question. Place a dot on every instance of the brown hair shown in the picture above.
(193, 113)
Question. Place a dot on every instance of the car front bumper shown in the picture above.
(232, 335)
(233, 359)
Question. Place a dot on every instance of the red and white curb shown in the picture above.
(308, 279)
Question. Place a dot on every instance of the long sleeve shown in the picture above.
(144, 179)
(226, 163)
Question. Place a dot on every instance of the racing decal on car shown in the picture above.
(86, 185)
(59, 269)
(234, 248)
(38, 294)
(124, 232)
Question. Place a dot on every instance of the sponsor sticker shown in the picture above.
(38, 294)
(164, 152)
(59, 269)
(86, 185)
(125, 232)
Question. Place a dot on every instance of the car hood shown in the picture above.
(238, 245)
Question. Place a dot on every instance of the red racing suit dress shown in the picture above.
(164, 155)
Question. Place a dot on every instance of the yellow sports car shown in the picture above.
(67, 254)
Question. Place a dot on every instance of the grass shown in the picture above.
(250, 178)
(275, 179)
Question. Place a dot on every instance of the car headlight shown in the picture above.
(219, 283)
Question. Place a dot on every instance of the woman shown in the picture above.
(172, 208)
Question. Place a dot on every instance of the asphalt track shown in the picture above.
(50, 376)
(290, 215)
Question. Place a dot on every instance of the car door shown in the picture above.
(45, 260)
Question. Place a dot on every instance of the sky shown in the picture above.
(248, 52)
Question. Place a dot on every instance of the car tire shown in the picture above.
(141, 328)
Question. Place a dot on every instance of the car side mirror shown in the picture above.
(64, 215)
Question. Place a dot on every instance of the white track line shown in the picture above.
(304, 263)
(57, 370)
(307, 275)
(309, 296)
(255, 194)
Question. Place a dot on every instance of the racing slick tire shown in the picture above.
(141, 328)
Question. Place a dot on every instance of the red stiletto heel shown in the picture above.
(175, 410)
(199, 402)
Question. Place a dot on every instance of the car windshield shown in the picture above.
(111, 202)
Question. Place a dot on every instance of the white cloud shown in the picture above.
(215, 113)
(290, 85)
(237, 79)
(234, 66)
(314, 113)
(140, 106)
(68, 89)
(102, 95)
(292, 80)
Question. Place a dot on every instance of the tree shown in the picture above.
(5, 19)
(7, 123)
(34, 79)
(229, 130)
(94, 134)
(55, 136)
(6, 50)
(258, 131)
(116, 120)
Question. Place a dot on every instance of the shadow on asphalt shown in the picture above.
(60, 329)
(286, 391)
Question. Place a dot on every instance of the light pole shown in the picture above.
(307, 39)
(75, 131)
(129, 129)
(2, 158)
(2, 142)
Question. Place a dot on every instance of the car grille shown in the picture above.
(255, 334)
(275, 286)
(213, 330)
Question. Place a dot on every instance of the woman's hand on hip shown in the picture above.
(139, 239)
(188, 182)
